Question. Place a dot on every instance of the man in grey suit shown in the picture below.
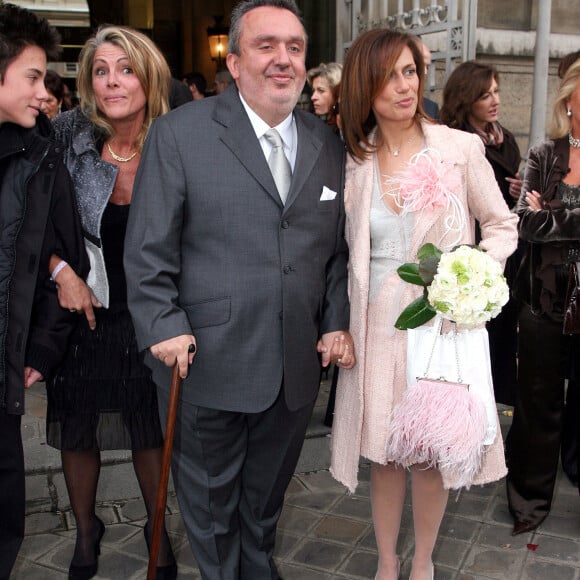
(216, 258)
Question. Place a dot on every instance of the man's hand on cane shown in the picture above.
(180, 349)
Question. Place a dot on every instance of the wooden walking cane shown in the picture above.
(165, 466)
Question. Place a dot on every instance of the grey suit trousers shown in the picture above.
(231, 471)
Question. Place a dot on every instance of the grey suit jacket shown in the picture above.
(211, 250)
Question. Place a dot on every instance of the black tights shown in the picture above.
(81, 472)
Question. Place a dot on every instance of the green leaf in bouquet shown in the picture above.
(429, 256)
(428, 250)
(410, 273)
(428, 269)
(417, 313)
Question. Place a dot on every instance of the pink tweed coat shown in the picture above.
(367, 394)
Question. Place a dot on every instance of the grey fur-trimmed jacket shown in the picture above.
(93, 180)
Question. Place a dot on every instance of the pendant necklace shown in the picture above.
(118, 157)
(396, 151)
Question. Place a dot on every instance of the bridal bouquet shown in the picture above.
(465, 285)
(447, 415)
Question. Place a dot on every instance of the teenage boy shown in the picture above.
(37, 218)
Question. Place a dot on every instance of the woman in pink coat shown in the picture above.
(384, 129)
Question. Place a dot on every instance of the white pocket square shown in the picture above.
(327, 194)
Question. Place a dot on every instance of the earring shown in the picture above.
(569, 112)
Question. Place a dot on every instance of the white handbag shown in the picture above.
(447, 415)
(440, 353)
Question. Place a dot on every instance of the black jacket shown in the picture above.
(505, 160)
(38, 217)
(550, 231)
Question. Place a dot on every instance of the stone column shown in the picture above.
(541, 62)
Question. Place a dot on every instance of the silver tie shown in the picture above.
(279, 164)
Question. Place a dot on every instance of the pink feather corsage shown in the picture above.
(426, 182)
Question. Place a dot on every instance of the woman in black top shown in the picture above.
(103, 396)
(471, 103)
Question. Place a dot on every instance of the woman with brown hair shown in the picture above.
(388, 138)
(103, 396)
(471, 103)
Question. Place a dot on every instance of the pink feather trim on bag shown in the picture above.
(440, 424)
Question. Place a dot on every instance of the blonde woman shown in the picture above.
(548, 207)
(325, 83)
(103, 396)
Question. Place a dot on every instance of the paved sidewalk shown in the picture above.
(324, 533)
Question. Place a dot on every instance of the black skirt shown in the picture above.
(103, 396)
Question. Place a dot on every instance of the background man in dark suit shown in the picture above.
(217, 258)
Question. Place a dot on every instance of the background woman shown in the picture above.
(325, 82)
(549, 210)
(471, 103)
(103, 396)
(570, 431)
(384, 127)
(54, 85)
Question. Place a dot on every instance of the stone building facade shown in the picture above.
(504, 35)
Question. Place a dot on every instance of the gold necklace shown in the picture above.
(118, 157)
